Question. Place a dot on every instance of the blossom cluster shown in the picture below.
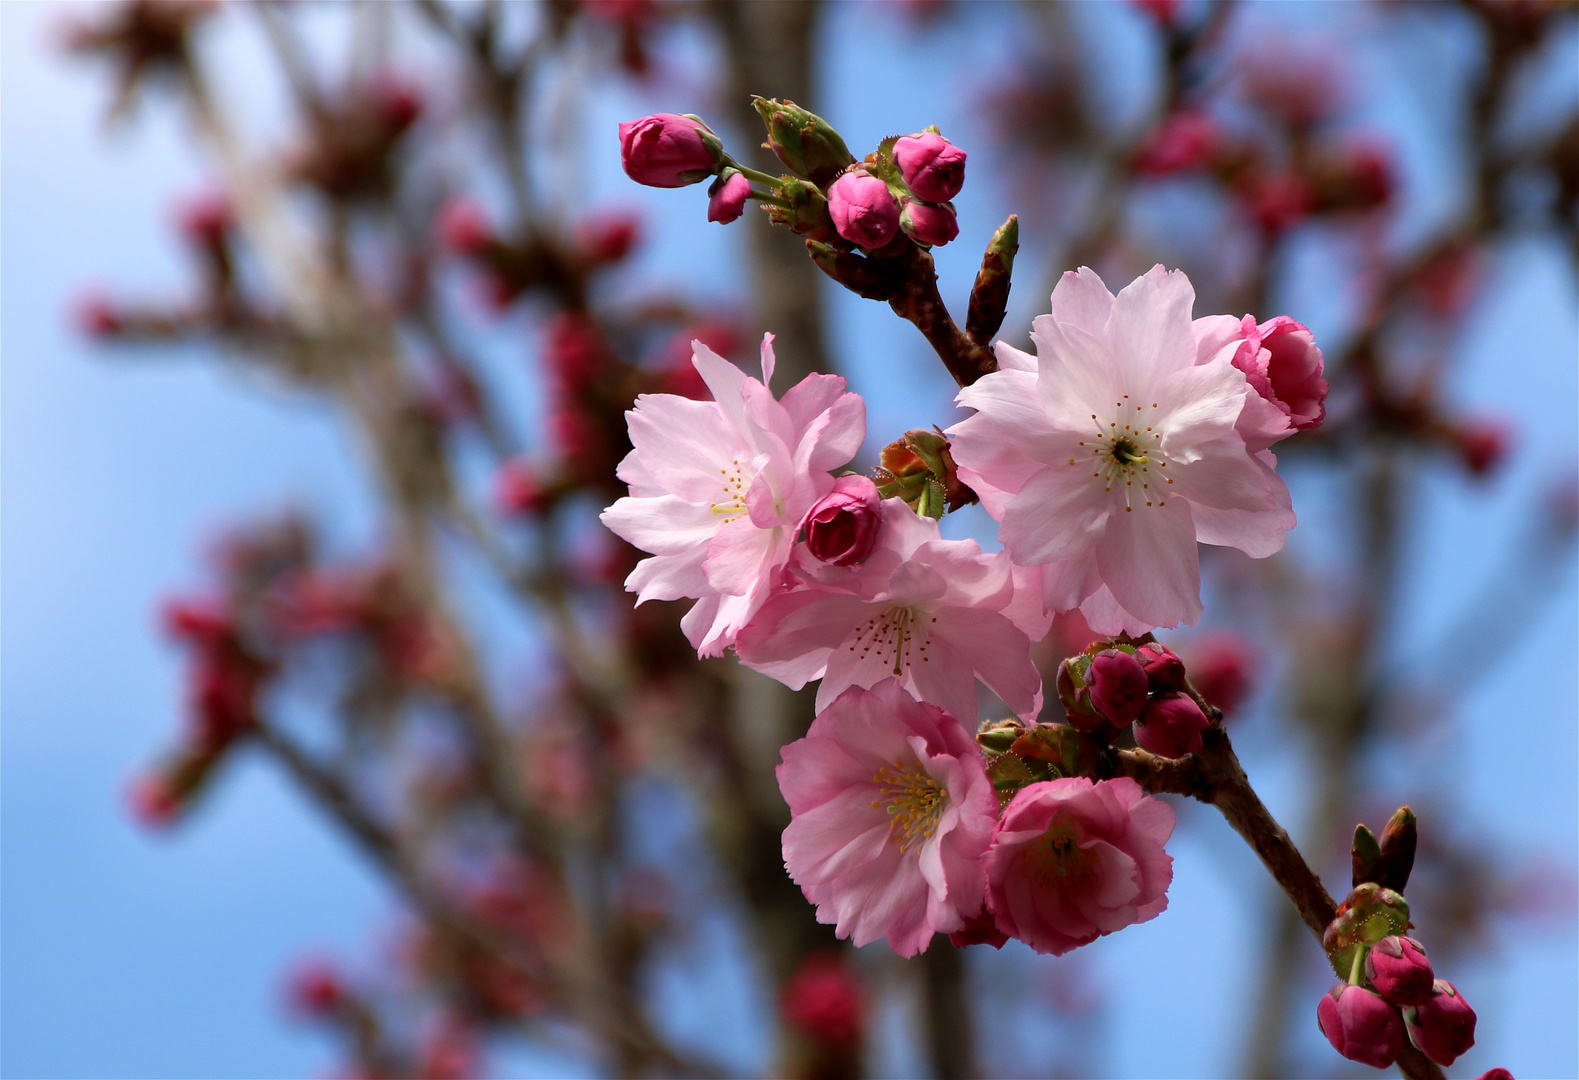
(1134, 432)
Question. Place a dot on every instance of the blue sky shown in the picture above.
(127, 954)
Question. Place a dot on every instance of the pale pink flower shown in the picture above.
(718, 488)
(891, 809)
(1110, 453)
(936, 614)
(1072, 860)
(1283, 364)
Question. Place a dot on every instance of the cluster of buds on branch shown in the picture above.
(1391, 992)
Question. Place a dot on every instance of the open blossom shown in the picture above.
(936, 614)
(718, 488)
(891, 809)
(1111, 452)
(1072, 860)
(1283, 365)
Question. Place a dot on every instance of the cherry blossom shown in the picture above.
(719, 487)
(1111, 452)
(1072, 860)
(891, 810)
(936, 614)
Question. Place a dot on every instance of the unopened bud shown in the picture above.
(841, 528)
(1171, 726)
(517, 490)
(726, 199)
(1397, 849)
(1361, 1026)
(803, 141)
(316, 990)
(928, 223)
(981, 930)
(1118, 686)
(668, 151)
(1399, 971)
(1164, 670)
(807, 213)
(463, 227)
(1443, 1027)
(989, 296)
(863, 209)
(933, 167)
(1363, 854)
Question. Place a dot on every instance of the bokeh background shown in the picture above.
(129, 952)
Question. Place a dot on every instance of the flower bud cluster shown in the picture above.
(1391, 995)
(1113, 685)
(904, 187)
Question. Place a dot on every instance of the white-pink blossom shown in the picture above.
(891, 810)
(936, 614)
(1108, 454)
(718, 488)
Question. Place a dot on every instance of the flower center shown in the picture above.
(902, 633)
(914, 801)
(734, 481)
(1124, 452)
(1056, 860)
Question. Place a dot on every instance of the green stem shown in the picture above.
(1355, 977)
(761, 196)
(753, 174)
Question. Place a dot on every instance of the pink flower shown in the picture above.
(1360, 1026)
(726, 199)
(1072, 860)
(842, 528)
(933, 167)
(1110, 453)
(936, 614)
(668, 151)
(891, 810)
(1283, 365)
(719, 487)
(1443, 1026)
(863, 209)
(928, 223)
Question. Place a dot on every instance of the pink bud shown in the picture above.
(823, 1000)
(863, 210)
(98, 318)
(462, 226)
(1221, 666)
(1164, 670)
(1185, 140)
(1279, 202)
(315, 989)
(841, 528)
(933, 167)
(574, 349)
(153, 802)
(928, 223)
(1399, 971)
(1361, 1026)
(726, 199)
(205, 219)
(1171, 726)
(668, 151)
(517, 489)
(1118, 685)
(1443, 1027)
(608, 236)
(1499, 1073)
(1483, 443)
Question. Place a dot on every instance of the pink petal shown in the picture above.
(1148, 559)
(1059, 514)
(1149, 329)
(1081, 299)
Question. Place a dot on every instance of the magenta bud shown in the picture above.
(1499, 1073)
(863, 210)
(1164, 669)
(1399, 971)
(841, 528)
(1171, 726)
(665, 150)
(1361, 1026)
(726, 199)
(928, 223)
(1443, 1027)
(933, 167)
(1118, 685)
